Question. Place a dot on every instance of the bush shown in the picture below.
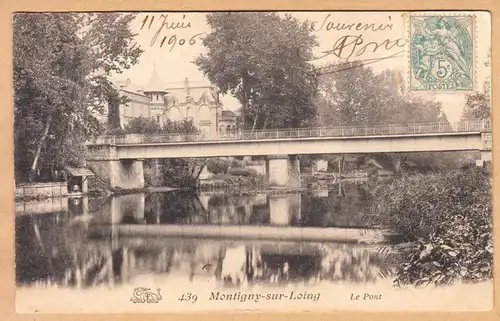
(243, 172)
(148, 125)
(218, 166)
(252, 183)
(449, 217)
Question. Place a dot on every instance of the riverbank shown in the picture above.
(148, 189)
(447, 217)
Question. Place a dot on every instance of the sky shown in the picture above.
(182, 32)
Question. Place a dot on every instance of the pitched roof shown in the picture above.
(228, 113)
(127, 85)
(78, 171)
(155, 83)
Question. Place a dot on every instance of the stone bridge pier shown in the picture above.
(485, 151)
(117, 173)
(283, 171)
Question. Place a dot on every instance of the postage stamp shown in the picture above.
(442, 52)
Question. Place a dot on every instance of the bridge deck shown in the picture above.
(297, 133)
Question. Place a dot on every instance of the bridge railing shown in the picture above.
(340, 131)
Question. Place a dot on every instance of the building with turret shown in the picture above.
(197, 101)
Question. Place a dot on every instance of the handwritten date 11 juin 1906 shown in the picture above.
(167, 24)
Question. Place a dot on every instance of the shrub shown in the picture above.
(253, 183)
(449, 217)
(218, 166)
(243, 172)
(142, 125)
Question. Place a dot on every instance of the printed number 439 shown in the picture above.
(188, 297)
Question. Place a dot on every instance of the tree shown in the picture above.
(185, 126)
(352, 94)
(262, 59)
(148, 125)
(142, 125)
(62, 62)
(478, 104)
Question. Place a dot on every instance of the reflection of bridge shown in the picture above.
(118, 159)
(303, 234)
(125, 216)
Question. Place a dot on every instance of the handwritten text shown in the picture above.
(351, 46)
(167, 23)
(329, 25)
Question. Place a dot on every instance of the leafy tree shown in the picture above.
(185, 126)
(148, 125)
(218, 166)
(142, 125)
(352, 94)
(262, 59)
(61, 66)
(478, 104)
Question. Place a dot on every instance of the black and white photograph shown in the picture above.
(252, 161)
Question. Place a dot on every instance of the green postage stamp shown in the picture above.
(442, 52)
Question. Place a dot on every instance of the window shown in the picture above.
(174, 114)
(158, 118)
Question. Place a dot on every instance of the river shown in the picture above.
(64, 248)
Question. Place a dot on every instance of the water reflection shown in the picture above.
(325, 208)
(57, 249)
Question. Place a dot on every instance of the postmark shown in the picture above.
(441, 53)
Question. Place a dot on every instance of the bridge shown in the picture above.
(118, 159)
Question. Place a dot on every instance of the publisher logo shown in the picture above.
(145, 295)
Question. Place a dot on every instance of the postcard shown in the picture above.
(252, 161)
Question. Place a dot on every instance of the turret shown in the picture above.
(155, 89)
